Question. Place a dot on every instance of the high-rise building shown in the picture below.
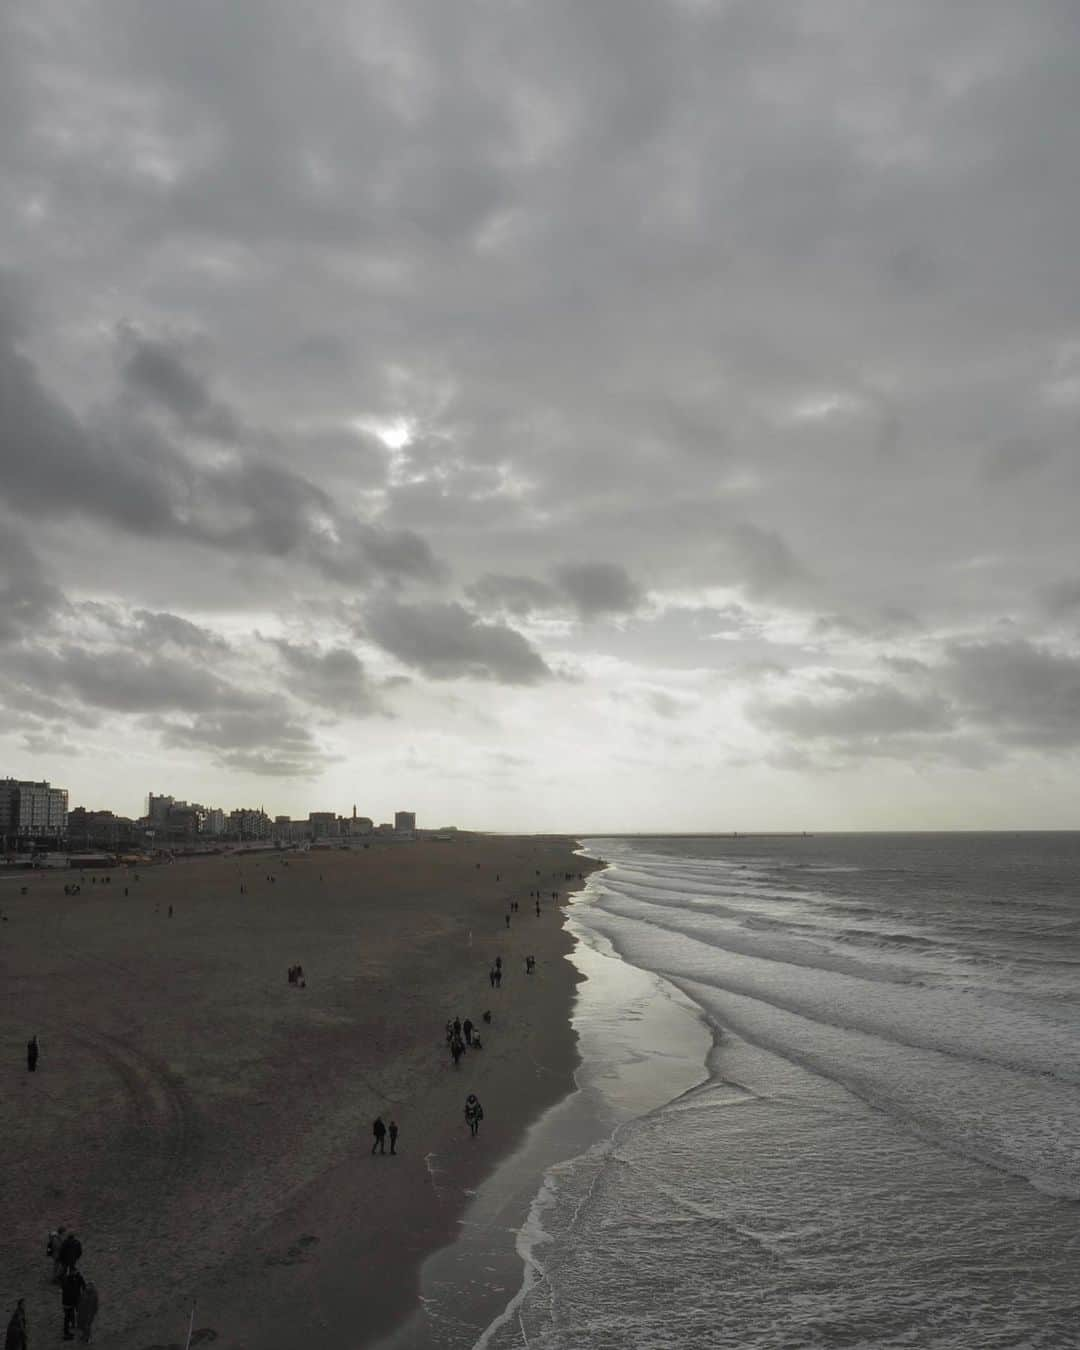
(42, 809)
(250, 824)
(9, 806)
(404, 822)
(157, 808)
(323, 824)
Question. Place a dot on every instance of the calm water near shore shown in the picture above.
(880, 1148)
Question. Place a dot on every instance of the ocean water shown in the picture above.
(882, 1145)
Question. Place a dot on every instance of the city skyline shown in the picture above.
(559, 418)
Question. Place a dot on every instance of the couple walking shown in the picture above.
(380, 1131)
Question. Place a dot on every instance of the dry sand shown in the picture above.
(205, 1127)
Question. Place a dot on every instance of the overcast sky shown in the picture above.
(633, 414)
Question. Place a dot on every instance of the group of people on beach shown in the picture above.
(78, 1296)
(462, 1036)
(296, 976)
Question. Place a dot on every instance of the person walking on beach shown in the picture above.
(466, 1027)
(378, 1129)
(491, 976)
(70, 1254)
(474, 1114)
(31, 1054)
(87, 1311)
(16, 1338)
(71, 1287)
(457, 1049)
(393, 1136)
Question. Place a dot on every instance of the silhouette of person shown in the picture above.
(31, 1054)
(378, 1129)
(87, 1311)
(71, 1287)
(393, 1136)
(15, 1339)
(474, 1114)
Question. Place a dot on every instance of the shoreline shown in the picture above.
(220, 1119)
(642, 1044)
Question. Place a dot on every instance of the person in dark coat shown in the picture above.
(16, 1338)
(474, 1114)
(466, 1027)
(378, 1129)
(393, 1136)
(31, 1054)
(71, 1287)
(87, 1311)
(70, 1254)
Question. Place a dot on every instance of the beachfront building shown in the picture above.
(323, 825)
(214, 821)
(356, 826)
(9, 807)
(42, 810)
(184, 820)
(246, 823)
(157, 809)
(405, 822)
(101, 829)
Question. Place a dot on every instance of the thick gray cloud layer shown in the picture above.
(721, 355)
(446, 642)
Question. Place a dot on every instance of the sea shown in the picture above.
(829, 1096)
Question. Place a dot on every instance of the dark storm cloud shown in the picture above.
(333, 679)
(511, 594)
(157, 372)
(1022, 692)
(598, 588)
(758, 558)
(446, 642)
(1062, 597)
(591, 590)
(28, 600)
(855, 711)
(264, 741)
(122, 679)
(158, 629)
(123, 472)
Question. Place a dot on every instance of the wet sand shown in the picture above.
(205, 1127)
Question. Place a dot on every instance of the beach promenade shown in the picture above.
(204, 1125)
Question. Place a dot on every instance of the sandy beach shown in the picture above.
(205, 1126)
